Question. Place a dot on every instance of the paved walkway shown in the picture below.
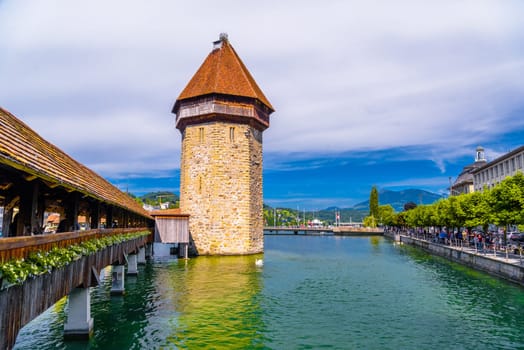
(503, 255)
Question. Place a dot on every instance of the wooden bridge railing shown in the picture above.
(21, 247)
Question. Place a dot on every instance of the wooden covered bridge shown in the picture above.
(37, 178)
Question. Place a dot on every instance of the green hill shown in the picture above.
(155, 198)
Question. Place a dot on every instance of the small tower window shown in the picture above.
(231, 134)
(201, 135)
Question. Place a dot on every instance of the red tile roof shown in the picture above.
(23, 149)
(223, 72)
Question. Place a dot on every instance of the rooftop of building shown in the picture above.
(176, 212)
(223, 73)
(500, 159)
(23, 149)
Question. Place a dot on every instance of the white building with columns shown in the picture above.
(492, 173)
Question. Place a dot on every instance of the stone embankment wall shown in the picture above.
(341, 230)
(497, 267)
(221, 187)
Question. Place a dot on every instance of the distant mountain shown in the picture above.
(397, 199)
(357, 213)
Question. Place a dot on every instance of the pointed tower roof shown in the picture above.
(223, 72)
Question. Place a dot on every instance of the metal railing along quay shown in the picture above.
(502, 252)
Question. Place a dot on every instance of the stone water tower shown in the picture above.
(221, 114)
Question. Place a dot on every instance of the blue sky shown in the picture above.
(395, 94)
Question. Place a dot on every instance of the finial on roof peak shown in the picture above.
(222, 38)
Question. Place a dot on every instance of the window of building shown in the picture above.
(201, 134)
(519, 161)
(496, 171)
(501, 169)
(506, 167)
(231, 134)
(513, 164)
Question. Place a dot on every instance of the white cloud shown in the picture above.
(99, 78)
(116, 142)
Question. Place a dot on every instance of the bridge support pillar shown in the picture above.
(183, 250)
(142, 256)
(79, 321)
(132, 264)
(117, 277)
(149, 251)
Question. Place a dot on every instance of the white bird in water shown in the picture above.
(259, 262)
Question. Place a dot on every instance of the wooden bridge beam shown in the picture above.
(95, 215)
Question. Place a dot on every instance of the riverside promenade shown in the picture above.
(498, 262)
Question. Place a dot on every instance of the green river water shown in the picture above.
(313, 292)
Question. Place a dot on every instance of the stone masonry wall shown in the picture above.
(221, 187)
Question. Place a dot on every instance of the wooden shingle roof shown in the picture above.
(168, 213)
(23, 149)
(223, 72)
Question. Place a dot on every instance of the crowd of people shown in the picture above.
(493, 240)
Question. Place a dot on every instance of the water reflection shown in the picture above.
(215, 302)
(313, 292)
(473, 297)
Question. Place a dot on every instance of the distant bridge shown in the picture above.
(284, 230)
(317, 231)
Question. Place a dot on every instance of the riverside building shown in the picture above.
(221, 115)
(465, 180)
(494, 172)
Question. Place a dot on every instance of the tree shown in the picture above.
(369, 221)
(507, 201)
(161, 197)
(409, 206)
(386, 215)
(419, 216)
(455, 214)
(477, 209)
(373, 203)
